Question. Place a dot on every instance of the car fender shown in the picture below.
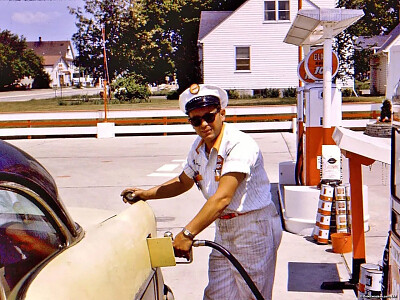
(111, 261)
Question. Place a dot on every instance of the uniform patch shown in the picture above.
(218, 167)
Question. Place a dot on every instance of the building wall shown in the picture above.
(273, 62)
(393, 77)
(60, 69)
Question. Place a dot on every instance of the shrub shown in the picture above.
(290, 92)
(233, 94)
(347, 92)
(173, 95)
(41, 81)
(127, 89)
(270, 93)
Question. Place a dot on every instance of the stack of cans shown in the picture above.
(341, 209)
(334, 213)
(323, 220)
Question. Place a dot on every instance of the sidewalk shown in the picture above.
(304, 265)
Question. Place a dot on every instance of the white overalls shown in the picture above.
(250, 227)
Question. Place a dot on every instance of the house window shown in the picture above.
(276, 10)
(242, 58)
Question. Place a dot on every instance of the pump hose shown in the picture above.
(234, 261)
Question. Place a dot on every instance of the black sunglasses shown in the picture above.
(208, 117)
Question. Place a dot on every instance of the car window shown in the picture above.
(26, 237)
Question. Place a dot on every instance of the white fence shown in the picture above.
(265, 118)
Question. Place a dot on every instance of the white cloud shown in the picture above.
(32, 17)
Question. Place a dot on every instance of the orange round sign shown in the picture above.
(314, 64)
(301, 72)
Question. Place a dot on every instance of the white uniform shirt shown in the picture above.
(233, 151)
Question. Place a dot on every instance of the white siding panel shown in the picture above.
(319, 3)
(325, 3)
(309, 5)
(273, 62)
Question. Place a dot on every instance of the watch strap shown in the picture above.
(186, 232)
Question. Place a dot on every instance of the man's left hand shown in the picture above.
(182, 246)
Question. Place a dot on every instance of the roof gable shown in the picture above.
(379, 42)
(392, 36)
(373, 42)
(51, 60)
(210, 20)
(51, 48)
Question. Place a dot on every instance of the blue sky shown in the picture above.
(50, 20)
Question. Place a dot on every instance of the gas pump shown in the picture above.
(310, 116)
(313, 128)
(319, 112)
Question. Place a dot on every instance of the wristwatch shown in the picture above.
(187, 233)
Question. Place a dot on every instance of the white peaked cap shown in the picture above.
(196, 96)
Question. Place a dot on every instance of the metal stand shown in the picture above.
(346, 285)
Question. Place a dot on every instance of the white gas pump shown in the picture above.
(314, 106)
(319, 112)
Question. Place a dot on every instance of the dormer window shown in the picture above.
(276, 10)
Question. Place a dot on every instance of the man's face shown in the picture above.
(208, 131)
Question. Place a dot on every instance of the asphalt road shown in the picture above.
(15, 96)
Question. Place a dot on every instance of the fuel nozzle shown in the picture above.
(169, 234)
(188, 260)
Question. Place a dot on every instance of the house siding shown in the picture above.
(378, 74)
(273, 63)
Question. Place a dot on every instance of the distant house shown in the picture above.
(384, 65)
(244, 49)
(58, 59)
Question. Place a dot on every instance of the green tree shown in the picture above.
(16, 61)
(135, 40)
(153, 38)
(183, 22)
(380, 17)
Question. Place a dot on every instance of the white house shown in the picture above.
(58, 59)
(244, 49)
(385, 63)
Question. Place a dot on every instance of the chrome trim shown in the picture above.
(12, 186)
(145, 285)
(396, 206)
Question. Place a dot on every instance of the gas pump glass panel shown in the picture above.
(27, 237)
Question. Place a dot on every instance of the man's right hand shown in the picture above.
(132, 195)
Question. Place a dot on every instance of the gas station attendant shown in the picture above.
(228, 168)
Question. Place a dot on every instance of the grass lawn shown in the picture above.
(74, 104)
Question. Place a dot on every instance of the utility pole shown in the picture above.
(106, 76)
